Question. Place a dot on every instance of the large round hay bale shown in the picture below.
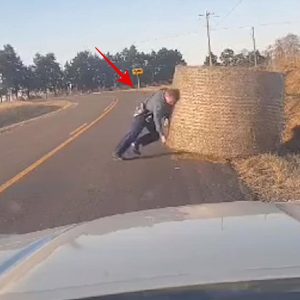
(227, 112)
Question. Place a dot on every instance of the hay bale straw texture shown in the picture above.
(227, 112)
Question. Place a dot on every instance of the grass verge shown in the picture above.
(12, 113)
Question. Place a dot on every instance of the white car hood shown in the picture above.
(171, 247)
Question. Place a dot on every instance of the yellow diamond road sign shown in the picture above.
(137, 71)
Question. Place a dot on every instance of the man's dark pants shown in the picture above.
(138, 124)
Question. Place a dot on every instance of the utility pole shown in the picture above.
(254, 46)
(207, 15)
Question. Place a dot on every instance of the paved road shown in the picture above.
(81, 181)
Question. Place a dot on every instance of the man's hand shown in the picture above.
(163, 139)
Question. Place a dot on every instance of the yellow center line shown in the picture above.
(78, 129)
(47, 156)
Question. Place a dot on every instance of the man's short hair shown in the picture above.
(174, 93)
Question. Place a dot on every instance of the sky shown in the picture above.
(66, 27)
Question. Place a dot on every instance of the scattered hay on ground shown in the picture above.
(274, 177)
(271, 177)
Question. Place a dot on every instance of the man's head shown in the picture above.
(172, 96)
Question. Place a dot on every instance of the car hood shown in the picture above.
(169, 247)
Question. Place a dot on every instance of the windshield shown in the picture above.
(160, 110)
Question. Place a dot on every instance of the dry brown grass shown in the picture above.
(15, 112)
(12, 105)
(274, 177)
(293, 82)
(271, 177)
(292, 116)
(290, 67)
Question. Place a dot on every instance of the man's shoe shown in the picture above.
(117, 156)
(135, 149)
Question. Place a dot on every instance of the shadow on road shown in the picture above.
(156, 155)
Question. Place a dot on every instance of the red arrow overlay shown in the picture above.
(124, 77)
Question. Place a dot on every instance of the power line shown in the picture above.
(230, 12)
(249, 26)
(211, 29)
(275, 23)
(166, 37)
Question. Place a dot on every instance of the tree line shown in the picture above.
(85, 72)
(88, 72)
(229, 58)
(282, 55)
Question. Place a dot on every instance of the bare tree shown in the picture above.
(284, 54)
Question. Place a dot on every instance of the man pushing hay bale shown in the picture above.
(227, 112)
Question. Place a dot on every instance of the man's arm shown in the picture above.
(158, 115)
